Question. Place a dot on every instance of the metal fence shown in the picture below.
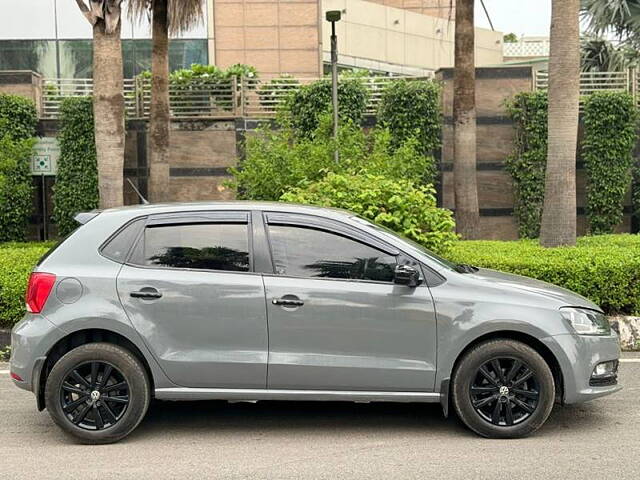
(246, 97)
(591, 82)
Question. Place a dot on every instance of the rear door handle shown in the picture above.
(288, 302)
(146, 293)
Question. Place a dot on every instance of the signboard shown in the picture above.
(45, 159)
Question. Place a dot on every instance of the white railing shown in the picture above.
(248, 97)
(591, 82)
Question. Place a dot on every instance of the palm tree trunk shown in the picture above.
(159, 127)
(108, 108)
(464, 123)
(559, 211)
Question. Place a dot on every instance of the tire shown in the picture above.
(473, 391)
(121, 400)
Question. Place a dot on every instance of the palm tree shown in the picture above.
(168, 17)
(621, 17)
(464, 123)
(108, 98)
(559, 210)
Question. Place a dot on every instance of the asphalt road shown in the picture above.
(271, 440)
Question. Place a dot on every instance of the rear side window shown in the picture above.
(117, 248)
(204, 246)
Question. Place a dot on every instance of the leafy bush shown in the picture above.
(610, 120)
(528, 163)
(18, 117)
(16, 262)
(411, 108)
(76, 187)
(308, 103)
(278, 160)
(394, 203)
(605, 269)
(16, 187)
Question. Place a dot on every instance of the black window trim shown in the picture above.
(433, 279)
(194, 218)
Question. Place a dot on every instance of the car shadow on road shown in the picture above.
(341, 418)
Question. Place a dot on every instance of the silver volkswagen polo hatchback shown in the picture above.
(267, 301)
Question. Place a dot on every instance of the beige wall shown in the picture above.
(433, 8)
(275, 36)
(398, 40)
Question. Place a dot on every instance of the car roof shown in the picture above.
(159, 208)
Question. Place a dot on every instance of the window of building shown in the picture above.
(306, 252)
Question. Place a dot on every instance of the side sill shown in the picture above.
(310, 395)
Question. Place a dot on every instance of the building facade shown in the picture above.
(393, 37)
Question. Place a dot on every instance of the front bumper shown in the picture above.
(31, 339)
(578, 355)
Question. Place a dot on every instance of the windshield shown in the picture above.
(387, 231)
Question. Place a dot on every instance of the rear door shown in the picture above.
(190, 290)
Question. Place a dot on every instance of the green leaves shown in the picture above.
(308, 103)
(398, 204)
(16, 262)
(76, 187)
(605, 268)
(17, 128)
(528, 163)
(610, 121)
(411, 109)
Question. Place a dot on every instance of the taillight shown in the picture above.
(40, 285)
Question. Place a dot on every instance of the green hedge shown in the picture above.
(16, 262)
(605, 269)
(76, 188)
(18, 117)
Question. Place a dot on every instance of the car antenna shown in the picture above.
(144, 200)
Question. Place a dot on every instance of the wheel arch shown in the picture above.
(83, 337)
(527, 339)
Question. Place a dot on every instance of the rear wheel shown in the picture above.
(503, 389)
(98, 392)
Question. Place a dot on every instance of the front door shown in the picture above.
(190, 292)
(338, 322)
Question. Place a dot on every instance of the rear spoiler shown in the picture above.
(86, 217)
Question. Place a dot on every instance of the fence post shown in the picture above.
(138, 92)
(243, 98)
(633, 83)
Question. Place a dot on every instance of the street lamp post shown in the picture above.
(333, 16)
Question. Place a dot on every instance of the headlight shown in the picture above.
(586, 322)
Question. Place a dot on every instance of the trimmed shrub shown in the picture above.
(307, 104)
(610, 120)
(411, 108)
(528, 162)
(18, 117)
(76, 187)
(279, 160)
(397, 204)
(16, 262)
(16, 187)
(605, 269)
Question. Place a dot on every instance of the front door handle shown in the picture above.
(146, 293)
(288, 301)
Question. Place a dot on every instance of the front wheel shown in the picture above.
(503, 389)
(98, 393)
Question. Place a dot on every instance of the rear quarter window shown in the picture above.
(118, 246)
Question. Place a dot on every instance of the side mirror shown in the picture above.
(406, 275)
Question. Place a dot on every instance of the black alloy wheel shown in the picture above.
(94, 395)
(505, 391)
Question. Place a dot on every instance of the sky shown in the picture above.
(522, 17)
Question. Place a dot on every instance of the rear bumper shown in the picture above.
(578, 355)
(31, 339)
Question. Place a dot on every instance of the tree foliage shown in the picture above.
(528, 162)
(76, 187)
(610, 122)
(398, 204)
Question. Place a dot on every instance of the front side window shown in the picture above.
(205, 246)
(306, 252)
